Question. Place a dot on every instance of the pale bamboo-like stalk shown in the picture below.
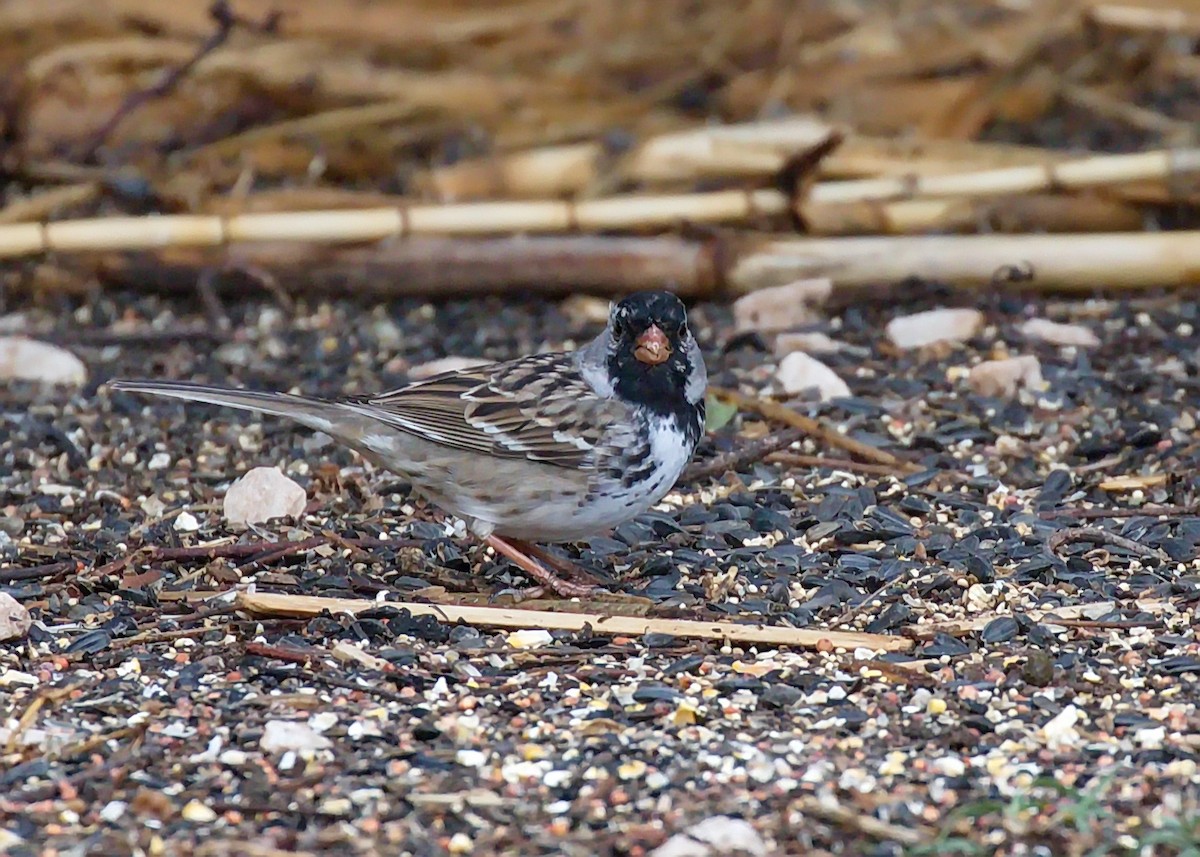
(751, 149)
(1094, 171)
(44, 203)
(549, 216)
(1069, 262)
(270, 604)
(333, 227)
(1025, 213)
(1141, 18)
(747, 150)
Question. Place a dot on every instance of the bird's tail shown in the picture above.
(329, 417)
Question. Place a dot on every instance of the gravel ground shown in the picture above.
(1049, 705)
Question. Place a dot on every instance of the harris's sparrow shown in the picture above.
(553, 447)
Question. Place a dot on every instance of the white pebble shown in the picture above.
(935, 325)
(23, 359)
(798, 372)
(287, 735)
(262, 494)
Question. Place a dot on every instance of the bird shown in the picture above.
(549, 448)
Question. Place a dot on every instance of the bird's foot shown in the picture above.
(566, 568)
(539, 572)
(517, 595)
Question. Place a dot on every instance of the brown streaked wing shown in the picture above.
(538, 408)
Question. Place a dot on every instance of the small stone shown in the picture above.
(11, 526)
(949, 766)
(529, 639)
(812, 343)
(460, 843)
(10, 677)
(8, 840)
(1002, 378)
(287, 735)
(24, 359)
(185, 522)
(894, 764)
(1060, 730)
(800, 373)
(1038, 669)
(936, 706)
(112, 811)
(1057, 333)
(935, 325)
(349, 653)
(262, 494)
(1151, 737)
(443, 364)
(198, 812)
(336, 806)
(714, 836)
(323, 721)
(153, 507)
(14, 618)
(781, 307)
(159, 461)
(634, 769)
(471, 758)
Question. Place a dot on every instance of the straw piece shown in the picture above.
(1079, 173)
(498, 617)
(1109, 260)
(549, 171)
(825, 434)
(744, 150)
(21, 239)
(1026, 213)
(44, 203)
(125, 233)
(324, 226)
(716, 207)
(1139, 18)
(330, 123)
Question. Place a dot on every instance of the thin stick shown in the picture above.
(11, 575)
(749, 453)
(1102, 537)
(797, 459)
(863, 823)
(225, 20)
(815, 429)
(1094, 514)
(304, 606)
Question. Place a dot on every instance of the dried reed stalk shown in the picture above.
(750, 149)
(332, 227)
(761, 149)
(1089, 172)
(548, 216)
(1069, 262)
(1140, 18)
(266, 604)
(1028, 213)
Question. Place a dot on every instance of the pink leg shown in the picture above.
(538, 571)
(564, 567)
